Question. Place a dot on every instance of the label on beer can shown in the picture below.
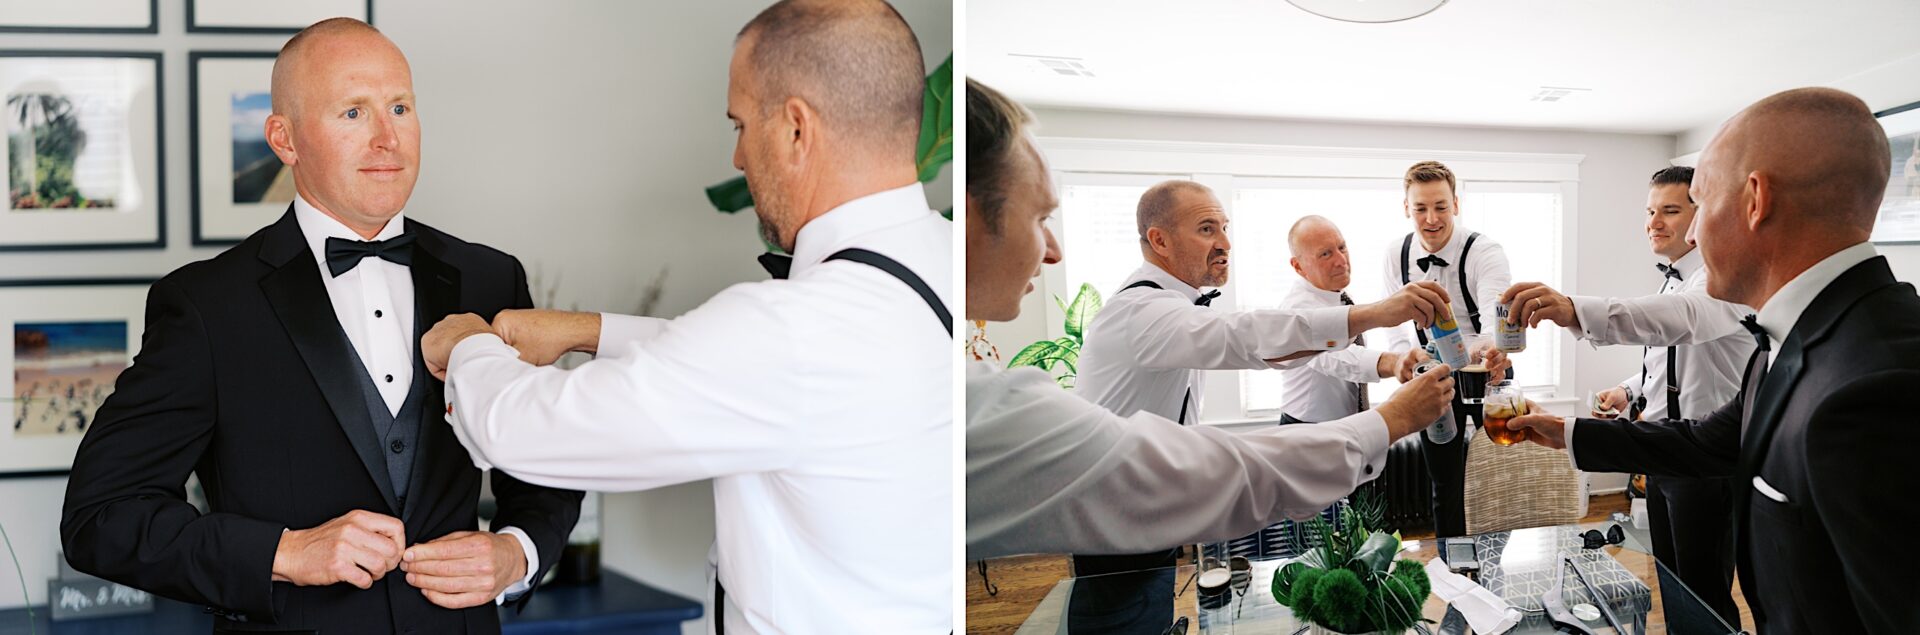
(1509, 337)
(1450, 346)
(1443, 429)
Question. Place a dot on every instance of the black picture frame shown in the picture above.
(160, 149)
(152, 27)
(198, 237)
(1897, 165)
(6, 474)
(194, 27)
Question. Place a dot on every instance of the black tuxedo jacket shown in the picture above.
(1833, 428)
(245, 378)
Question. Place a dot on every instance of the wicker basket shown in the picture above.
(1518, 486)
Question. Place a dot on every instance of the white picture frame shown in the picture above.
(36, 381)
(1899, 220)
(257, 17)
(228, 100)
(96, 115)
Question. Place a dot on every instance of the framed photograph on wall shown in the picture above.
(79, 16)
(69, 340)
(239, 184)
(82, 167)
(254, 16)
(1899, 222)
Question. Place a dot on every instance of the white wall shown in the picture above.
(576, 135)
(1612, 197)
(1882, 87)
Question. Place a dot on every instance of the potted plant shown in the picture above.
(1061, 356)
(1349, 581)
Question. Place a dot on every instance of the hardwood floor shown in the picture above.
(1022, 582)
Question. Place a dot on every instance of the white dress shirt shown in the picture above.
(821, 406)
(1048, 472)
(374, 305)
(1711, 347)
(1323, 388)
(1783, 309)
(1146, 346)
(1487, 270)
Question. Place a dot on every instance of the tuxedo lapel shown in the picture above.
(436, 294)
(300, 300)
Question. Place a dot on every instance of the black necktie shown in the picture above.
(343, 255)
(1756, 370)
(1752, 323)
(1669, 271)
(1360, 389)
(1206, 299)
(1431, 261)
(777, 265)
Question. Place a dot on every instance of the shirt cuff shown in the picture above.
(1592, 313)
(617, 331)
(533, 566)
(1566, 430)
(1370, 430)
(1329, 327)
(475, 345)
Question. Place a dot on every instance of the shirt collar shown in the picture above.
(1316, 292)
(1783, 310)
(836, 229)
(1153, 272)
(317, 227)
(1690, 264)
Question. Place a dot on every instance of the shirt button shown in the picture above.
(389, 379)
(399, 446)
(1369, 469)
(377, 313)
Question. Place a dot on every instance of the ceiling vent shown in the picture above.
(1068, 66)
(1555, 94)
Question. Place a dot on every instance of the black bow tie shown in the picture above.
(777, 265)
(1759, 334)
(343, 255)
(1431, 261)
(1206, 299)
(1669, 271)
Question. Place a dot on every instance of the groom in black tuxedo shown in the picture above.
(1821, 437)
(286, 373)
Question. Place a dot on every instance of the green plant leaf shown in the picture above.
(1377, 552)
(1032, 354)
(935, 147)
(731, 195)
(947, 213)
(1085, 305)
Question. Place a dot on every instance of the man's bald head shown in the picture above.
(296, 55)
(1785, 183)
(856, 62)
(1301, 238)
(1823, 151)
(1158, 204)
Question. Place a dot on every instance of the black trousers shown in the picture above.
(1692, 527)
(1447, 468)
(1127, 595)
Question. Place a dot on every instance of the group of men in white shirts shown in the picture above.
(1109, 489)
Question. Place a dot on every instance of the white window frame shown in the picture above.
(1224, 166)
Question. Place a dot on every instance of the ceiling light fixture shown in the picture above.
(1368, 11)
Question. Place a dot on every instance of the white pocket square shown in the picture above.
(1760, 485)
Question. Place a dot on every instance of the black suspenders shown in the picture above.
(1184, 401)
(1473, 307)
(897, 270)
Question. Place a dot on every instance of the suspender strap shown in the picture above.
(897, 270)
(719, 606)
(1466, 291)
(1673, 387)
(1188, 399)
(1406, 276)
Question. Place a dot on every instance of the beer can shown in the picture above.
(1509, 337)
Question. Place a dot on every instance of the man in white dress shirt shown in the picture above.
(1473, 269)
(1049, 472)
(820, 405)
(1695, 352)
(1332, 385)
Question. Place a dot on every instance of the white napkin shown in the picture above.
(1487, 613)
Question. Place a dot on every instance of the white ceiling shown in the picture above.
(1652, 66)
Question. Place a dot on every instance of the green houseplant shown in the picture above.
(934, 150)
(1349, 582)
(1061, 356)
